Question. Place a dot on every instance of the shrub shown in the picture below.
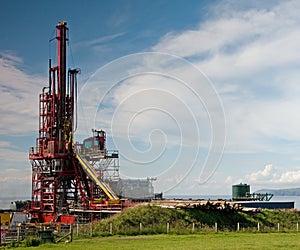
(32, 242)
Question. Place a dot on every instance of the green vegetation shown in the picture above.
(192, 241)
(153, 220)
(32, 242)
(28, 242)
(149, 227)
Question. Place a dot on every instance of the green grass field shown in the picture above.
(193, 241)
(153, 220)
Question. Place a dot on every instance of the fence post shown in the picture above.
(216, 227)
(258, 226)
(141, 226)
(71, 233)
(77, 229)
(238, 227)
(110, 228)
(297, 226)
(278, 227)
(168, 227)
(91, 229)
(19, 232)
(193, 228)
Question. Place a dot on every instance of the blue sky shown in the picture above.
(200, 94)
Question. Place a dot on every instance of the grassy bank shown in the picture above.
(153, 220)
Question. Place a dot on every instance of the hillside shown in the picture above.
(153, 219)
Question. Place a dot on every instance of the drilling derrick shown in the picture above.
(62, 180)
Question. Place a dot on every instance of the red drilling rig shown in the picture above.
(63, 180)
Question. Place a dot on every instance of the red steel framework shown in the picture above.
(59, 181)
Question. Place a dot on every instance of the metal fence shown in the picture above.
(46, 233)
(92, 229)
(56, 233)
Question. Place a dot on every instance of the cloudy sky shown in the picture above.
(199, 94)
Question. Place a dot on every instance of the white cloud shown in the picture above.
(270, 177)
(240, 41)
(7, 144)
(11, 58)
(290, 177)
(229, 180)
(161, 111)
(11, 174)
(99, 41)
(19, 96)
(19, 93)
(15, 182)
(261, 174)
(252, 56)
(12, 155)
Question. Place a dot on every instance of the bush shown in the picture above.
(32, 242)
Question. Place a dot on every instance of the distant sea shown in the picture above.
(5, 202)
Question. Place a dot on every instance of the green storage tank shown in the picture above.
(240, 190)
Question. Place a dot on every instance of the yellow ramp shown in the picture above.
(91, 172)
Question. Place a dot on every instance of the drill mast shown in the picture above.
(61, 180)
